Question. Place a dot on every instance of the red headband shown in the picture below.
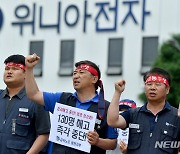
(157, 78)
(17, 65)
(89, 68)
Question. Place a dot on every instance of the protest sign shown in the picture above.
(69, 127)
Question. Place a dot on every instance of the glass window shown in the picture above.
(149, 52)
(37, 47)
(115, 56)
(67, 58)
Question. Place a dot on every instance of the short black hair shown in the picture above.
(17, 59)
(158, 71)
(94, 66)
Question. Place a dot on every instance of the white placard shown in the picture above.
(69, 127)
(123, 135)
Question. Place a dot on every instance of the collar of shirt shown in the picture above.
(85, 105)
(167, 106)
(20, 95)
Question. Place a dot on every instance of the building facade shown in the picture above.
(122, 36)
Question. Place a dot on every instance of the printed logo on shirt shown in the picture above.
(98, 121)
(23, 113)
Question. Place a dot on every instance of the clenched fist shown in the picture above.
(120, 86)
(31, 60)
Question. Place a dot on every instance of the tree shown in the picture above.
(169, 59)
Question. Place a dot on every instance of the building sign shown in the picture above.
(70, 125)
(106, 18)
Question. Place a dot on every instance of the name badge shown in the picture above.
(136, 126)
(23, 110)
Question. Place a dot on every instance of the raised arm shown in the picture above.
(32, 89)
(113, 117)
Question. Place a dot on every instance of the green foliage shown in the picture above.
(142, 97)
(169, 59)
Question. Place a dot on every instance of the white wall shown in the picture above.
(163, 22)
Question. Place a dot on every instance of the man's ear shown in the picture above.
(95, 79)
(167, 89)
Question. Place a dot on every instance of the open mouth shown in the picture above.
(152, 94)
(76, 82)
(8, 76)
